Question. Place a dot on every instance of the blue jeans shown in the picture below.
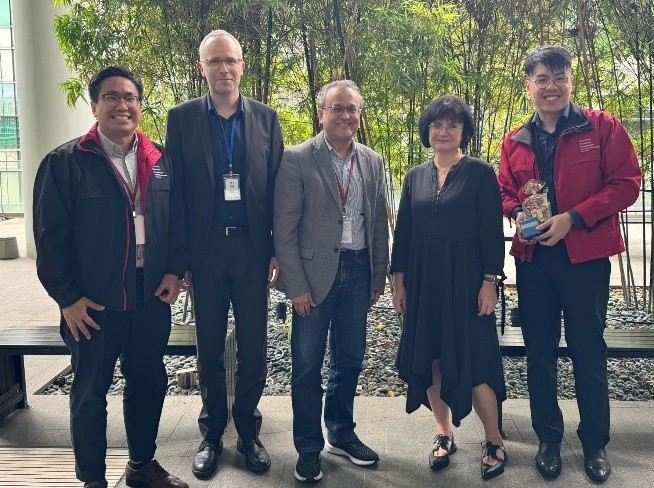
(345, 308)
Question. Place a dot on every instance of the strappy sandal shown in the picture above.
(441, 441)
(489, 449)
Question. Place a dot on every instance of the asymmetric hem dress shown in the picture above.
(444, 242)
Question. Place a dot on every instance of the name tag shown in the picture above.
(232, 188)
(139, 229)
(347, 237)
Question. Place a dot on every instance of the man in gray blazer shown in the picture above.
(229, 148)
(331, 238)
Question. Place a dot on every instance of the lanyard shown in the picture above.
(229, 144)
(343, 192)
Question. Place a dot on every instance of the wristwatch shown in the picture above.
(492, 279)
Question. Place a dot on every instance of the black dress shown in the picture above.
(444, 242)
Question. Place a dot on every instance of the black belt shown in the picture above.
(231, 231)
(351, 254)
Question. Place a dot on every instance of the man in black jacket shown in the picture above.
(109, 232)
(229, 148)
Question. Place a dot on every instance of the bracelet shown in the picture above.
(492, 279)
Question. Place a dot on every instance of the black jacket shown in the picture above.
(188, 143)
(84, 230)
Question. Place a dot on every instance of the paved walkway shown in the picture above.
(402, 440)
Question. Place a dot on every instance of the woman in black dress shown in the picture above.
(447, 259)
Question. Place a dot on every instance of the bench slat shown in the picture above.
(46, 340)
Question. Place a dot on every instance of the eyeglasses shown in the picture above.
(339, 109)
(113, 99)
(543, 82)
(449, 127)
(216, 62)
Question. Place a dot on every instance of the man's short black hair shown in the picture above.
(108, 72)
(554, 57)
(450, 108)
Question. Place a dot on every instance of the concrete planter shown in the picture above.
(8, 248)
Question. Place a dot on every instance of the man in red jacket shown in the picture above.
(591, 172)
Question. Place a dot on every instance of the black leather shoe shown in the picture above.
(597, 465)
(207, 458)
(548, 459)
(256, 456)
(489, 471)
(441, 441)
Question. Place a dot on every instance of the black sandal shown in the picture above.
(440, 442)
(489, 449)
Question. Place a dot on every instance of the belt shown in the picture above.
(230, 231)
(351, 254)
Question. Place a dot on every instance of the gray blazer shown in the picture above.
(308, 221)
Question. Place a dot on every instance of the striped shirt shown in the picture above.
(354, 202)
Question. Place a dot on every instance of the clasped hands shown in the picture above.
(554, 229)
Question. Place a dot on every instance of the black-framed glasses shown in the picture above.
(340, 109)
(216, 62)
(449, 127)
(543, 82)
(114, 99)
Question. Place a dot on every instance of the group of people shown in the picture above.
(122, 225)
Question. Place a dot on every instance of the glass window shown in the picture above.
(5, 37)
(5, 12)
(11, 194)
(8, 133)
(6, 65)
(7, 99)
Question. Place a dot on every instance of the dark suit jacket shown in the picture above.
(189, 146)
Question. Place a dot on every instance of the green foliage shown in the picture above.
(402, 53)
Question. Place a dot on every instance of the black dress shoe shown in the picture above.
(256, 456)
(489, 471)
(548, 459)
(597, 465)
(441, 441)
(207, 458)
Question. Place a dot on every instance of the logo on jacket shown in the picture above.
(158, 172)
(587, 144)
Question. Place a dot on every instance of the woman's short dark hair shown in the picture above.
(450, 108)
(108, 72)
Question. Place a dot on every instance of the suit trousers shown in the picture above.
(547, 286)
(231, 273)
(139, 338)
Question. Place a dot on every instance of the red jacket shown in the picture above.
(596, 172)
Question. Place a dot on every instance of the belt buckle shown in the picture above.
(229, 230)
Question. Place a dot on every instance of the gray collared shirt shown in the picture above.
(354, 202)
(126, 165)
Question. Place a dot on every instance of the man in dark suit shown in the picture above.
(229, 148)
(331, 237)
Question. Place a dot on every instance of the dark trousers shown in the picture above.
(343, 315)
(139, 338)
(230, 273)
(546, 286)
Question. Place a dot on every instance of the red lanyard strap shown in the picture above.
(344, 191)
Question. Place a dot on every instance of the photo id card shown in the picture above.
(347, 230)
(139, 229)
(232, 188)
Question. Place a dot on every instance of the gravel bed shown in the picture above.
(629, 379)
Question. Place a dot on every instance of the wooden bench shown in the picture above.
(621, 343)
(17, 342)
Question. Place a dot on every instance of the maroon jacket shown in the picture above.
(596, 173)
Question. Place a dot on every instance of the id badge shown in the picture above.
(232, 188)
(139, 229)
(347, 230)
